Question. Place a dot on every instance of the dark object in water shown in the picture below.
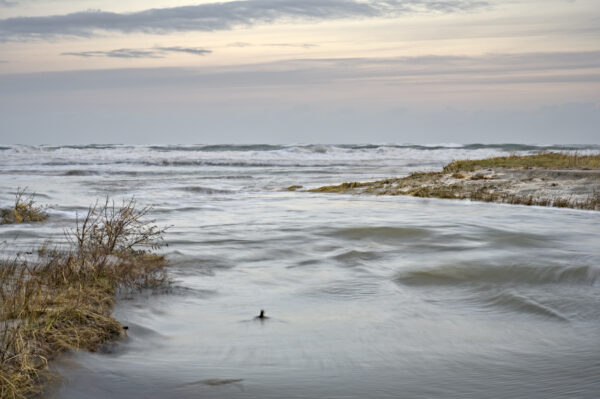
(261, 316)
(125, 327)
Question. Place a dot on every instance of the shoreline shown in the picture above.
(546, 179)
(63, 299)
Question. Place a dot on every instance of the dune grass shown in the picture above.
(465, 180)
(25, 210)
(340, 188)
(62, 300)
(548, 160)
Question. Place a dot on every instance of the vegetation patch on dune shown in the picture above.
(548, 160)
(63, 299)
(544, 179)
(25, 210)
(341, 188)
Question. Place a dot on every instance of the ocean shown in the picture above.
(367, 296)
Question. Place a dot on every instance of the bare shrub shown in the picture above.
(63, 301)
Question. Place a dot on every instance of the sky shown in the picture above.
(299, 71)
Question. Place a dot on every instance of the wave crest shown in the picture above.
(489, 274)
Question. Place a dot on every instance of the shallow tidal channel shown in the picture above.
(368, 297)
(384, 297)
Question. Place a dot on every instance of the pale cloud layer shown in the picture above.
(199, 71)
(432, 70)
(217, 16)
(154, 52)
(87, 123)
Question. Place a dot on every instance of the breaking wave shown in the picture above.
(265, 155)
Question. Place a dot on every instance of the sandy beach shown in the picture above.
(577, 187)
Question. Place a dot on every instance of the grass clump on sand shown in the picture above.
(544, 179)
(25, 210)
(341, 188)
(549, 160)
(63, 299)
(370, 187)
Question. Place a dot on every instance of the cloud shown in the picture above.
(188, 50)
(156, 52)
(300, 45)
(7, 3)
(495, 97)
(451, 74)
(83, 123)
(118, 53)
(239, 44)
(217, 16)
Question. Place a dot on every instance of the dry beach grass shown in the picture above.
(547, 160)
(25, 210)
(544, 179)
(63, 299)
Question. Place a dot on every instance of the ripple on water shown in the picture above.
(205, 190)
(469, 273)
(515, 301)
(558, 292)
(187, 265)
(355, 257)
(81, 172)
(379, 233)
(346, 289)
(498, 238)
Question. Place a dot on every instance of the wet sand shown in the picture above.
(568, 188)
